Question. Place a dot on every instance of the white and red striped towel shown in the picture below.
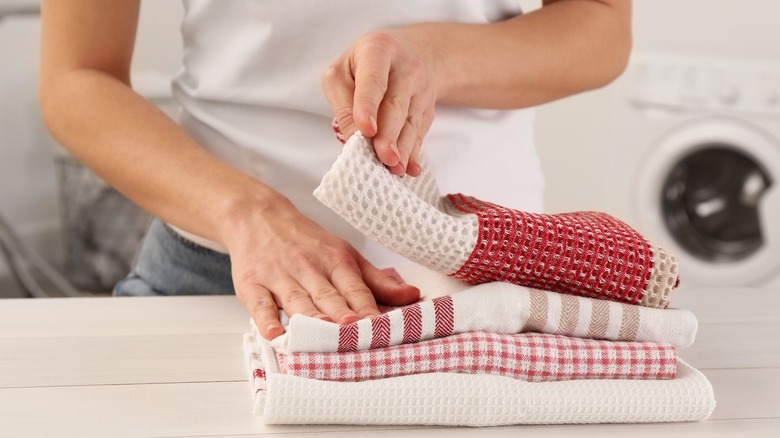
(531, 357)
(501, 308)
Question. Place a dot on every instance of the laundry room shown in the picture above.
(685, 145)
(695, 65)
(64, 231)
(197, 194)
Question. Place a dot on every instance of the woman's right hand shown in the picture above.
(284, 260)
(280, 259)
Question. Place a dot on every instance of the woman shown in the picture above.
(231, 182)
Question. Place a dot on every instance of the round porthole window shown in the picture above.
(710, 201)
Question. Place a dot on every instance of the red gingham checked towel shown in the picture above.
(531, 357)
(587, 254)
(501, 308)
(461, 399)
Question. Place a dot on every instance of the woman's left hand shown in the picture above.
(386, 86)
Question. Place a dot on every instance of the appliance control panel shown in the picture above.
(693, 83)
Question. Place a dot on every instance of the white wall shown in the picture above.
(158, 45)
(26, 174)
(28, 189)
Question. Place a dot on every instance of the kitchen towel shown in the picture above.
(502, 308)
(455, 399)
(531, 357)
(588, 254)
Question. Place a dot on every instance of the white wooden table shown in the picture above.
(174, 367)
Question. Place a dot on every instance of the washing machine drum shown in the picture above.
(710, 190)
(710, 203)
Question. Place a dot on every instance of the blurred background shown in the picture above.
(685, 147)
(50, 206)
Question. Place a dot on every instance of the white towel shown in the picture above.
(502, 308)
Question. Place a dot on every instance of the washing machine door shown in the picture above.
(710, 192)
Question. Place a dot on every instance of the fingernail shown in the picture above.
(325, 318)
(392, 273)
(414, 168)
(349, 319)
(271, 327)
(394, 148)
(372, 120)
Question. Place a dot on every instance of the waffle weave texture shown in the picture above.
(587, 254)
(455, 399)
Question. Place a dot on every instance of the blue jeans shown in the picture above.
(169, 264)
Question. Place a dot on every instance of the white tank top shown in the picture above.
(250, 93)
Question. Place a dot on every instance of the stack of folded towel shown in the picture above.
(566, 321)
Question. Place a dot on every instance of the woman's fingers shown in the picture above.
(371, 70)
(414, 168)
(411, 135)
(303, 269)
(339, 88)
(384, 87)
(329, 298)
(347, 277)
(260, 304)
(351, 293)
(295, 298)
(386, 286)
(393, 113)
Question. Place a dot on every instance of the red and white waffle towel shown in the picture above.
(501, 308)
(586, 254)
(531, 357)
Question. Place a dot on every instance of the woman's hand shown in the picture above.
(387, 83)
(282, 259)
(386, 86)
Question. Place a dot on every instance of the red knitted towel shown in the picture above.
(589, 254)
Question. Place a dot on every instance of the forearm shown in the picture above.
(561, 49)
(145, 155)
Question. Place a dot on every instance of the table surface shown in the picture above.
(174, 367)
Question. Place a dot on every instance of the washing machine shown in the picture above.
(696, 164)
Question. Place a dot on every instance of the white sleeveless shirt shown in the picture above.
(250, 93)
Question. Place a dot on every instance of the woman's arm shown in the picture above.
(386, 85)
(563, 48)
(278, 256)
(89, 106)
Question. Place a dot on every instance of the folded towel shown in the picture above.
(587, 254)
(501, 308)
(531, 357)
(455, 399)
